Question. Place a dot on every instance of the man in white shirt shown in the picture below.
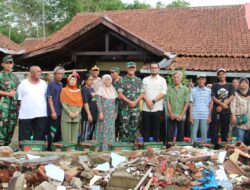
(155, 89)
(33, 106)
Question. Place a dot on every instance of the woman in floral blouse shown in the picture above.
(105, 128)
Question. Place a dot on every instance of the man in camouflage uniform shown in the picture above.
(114, 72)
(130, 92)
(8, 102)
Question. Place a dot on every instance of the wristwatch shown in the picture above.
(153, 101)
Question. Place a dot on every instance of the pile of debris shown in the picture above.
(180, 167)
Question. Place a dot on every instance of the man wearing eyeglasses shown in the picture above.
(8, 102)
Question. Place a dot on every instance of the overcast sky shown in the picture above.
(195, 3)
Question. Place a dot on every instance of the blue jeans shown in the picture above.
(194, 129)
(240, 134)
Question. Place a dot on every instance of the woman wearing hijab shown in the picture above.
(105, 128)
(71, 99)
(240, 108)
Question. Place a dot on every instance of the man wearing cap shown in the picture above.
(95, 71)
(200, 108)
(115, 71)
(222, 94)
(130, 92)
(8, 102)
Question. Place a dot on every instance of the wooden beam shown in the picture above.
(110, 53)
(107, 42)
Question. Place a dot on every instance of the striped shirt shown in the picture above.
(200, 99)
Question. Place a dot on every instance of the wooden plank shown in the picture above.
(34, 162)
(99, 53)
(43, 72)
(107, 42)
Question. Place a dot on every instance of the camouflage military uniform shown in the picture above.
(8, 109)
(131, 87)
(116, 83)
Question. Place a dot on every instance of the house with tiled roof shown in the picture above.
(198, 40)
(7, 46)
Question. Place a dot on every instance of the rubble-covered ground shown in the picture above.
(180, 167)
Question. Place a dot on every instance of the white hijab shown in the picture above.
(107, 92)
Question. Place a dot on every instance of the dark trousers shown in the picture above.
(117, 126)
(36, 127)
(171, 127)
(220, 123)
(151, 121)
(87, 130)
(187, 131)
(53, 130)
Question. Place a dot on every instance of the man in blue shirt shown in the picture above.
(54, 106)
(200, 108)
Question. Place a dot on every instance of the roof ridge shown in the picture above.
(156, 9)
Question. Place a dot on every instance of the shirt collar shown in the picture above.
(180, 86)
(199, 88)
(154, 77)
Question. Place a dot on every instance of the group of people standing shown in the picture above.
(107, 109)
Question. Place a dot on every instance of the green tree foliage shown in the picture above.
(178, 4)
(25, 18)
(137, 5)
(160, 5)
(185, 80)
(21, 19)
(101, 5)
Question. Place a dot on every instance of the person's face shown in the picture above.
(72, 81)
(201, 81)
(89, 81)
(243, 85)
(59, 74)
(114, 75)
(235, 84)
(177, 79)
(107, 81)
(221, 76)
(95, 73)
(7, 66)
(131, 70)
(36, 73)
(154, 69)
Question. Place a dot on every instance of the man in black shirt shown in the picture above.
(222, 94)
